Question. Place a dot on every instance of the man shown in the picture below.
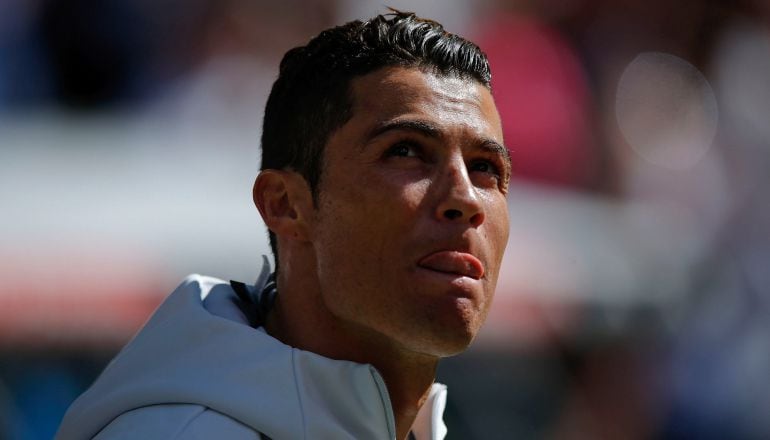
(383, 186)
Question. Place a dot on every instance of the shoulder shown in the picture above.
(175, 422)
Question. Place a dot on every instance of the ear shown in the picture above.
(285, 202)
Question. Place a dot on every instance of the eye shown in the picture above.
(403, 149)
(484, 166)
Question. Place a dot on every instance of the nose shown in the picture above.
(459, 200)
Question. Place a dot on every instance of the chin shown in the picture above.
(447, 339)
(458, 329)
(447, 348)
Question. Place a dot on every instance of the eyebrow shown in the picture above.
(495, 147)
(432, 131)
(425, 128)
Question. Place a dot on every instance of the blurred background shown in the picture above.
(634, 300)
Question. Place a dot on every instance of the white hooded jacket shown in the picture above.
(197, 370)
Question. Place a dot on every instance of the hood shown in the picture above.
(196, 349)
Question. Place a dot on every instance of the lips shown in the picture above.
(453, 262)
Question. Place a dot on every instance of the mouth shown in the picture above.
(453, 263)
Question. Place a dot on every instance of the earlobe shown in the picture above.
(283, 198)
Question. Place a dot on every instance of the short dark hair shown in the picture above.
(311, 97)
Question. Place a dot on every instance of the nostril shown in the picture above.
(452, 214)
(477, 220)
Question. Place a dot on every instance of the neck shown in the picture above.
(299, 318)
(408, 388)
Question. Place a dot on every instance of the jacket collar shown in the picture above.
(196, 349)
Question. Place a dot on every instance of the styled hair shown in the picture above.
(312, 96)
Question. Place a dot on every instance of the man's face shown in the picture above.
(412, 221)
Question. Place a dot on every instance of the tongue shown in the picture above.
(454, 262)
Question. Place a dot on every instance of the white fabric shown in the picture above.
(429, 423)
(196, 371)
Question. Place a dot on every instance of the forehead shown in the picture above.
(451, 102)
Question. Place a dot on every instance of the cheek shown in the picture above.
(379, 204)
(502, 229)
(497, 230)
(363, 231)
(352, 225)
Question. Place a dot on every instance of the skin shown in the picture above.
(387, 268)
